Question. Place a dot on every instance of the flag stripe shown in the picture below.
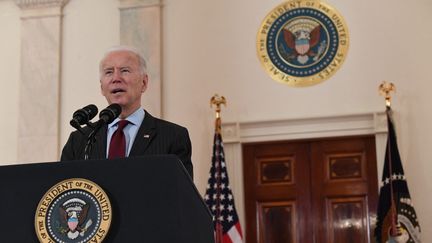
(234, 234)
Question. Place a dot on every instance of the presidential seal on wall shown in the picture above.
(73, 211)
(302, 42)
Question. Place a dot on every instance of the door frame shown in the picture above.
(236, 133)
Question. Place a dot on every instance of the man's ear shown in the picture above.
(101, 88)
(145, 83)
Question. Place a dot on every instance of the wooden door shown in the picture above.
(310, 191)
(277, 199)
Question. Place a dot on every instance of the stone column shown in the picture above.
(38, 130)
(140, 27)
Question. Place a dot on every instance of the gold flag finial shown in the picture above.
(218, 101)
(384, 89)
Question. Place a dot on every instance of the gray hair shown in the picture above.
(142, 62)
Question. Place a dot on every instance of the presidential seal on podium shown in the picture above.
(302, 43)
(73, 211)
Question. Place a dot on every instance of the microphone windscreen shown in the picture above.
(92, 110)
(84, 115)
(110, 113)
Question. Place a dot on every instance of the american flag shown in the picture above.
(397, 220)
(219, 197)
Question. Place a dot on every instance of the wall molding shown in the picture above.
(302, 128)
(41, 8)
(32, 4)
(128, 4)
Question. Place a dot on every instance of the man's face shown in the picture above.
(122, 81)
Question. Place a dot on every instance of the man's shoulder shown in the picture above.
(168, 124)
(162, 123)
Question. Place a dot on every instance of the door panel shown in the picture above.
(346, 220)
(277, 222)
(310, 191)
(276, 204)
(344, 188)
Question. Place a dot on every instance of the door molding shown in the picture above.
(236, 133)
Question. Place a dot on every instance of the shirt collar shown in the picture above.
(134, 118)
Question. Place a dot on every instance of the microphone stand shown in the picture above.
(91, 139)
(106, 116)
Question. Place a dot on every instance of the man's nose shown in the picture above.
(117, 76)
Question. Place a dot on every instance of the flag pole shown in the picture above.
(218, 101)
(385, 89)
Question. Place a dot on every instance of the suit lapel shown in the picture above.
(145, 134)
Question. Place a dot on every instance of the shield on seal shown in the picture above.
(72, 223)
(302, 46)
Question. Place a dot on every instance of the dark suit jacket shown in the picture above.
(155, 136)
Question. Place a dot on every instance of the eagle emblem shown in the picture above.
(300, 44)
(71, 212)
(73, 217)
(301, 36)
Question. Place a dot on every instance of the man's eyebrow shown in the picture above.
(112, 68)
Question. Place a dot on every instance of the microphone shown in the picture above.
(106, 116)
(83, 116)
(110, 113)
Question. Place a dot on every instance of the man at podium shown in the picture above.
(123, 80)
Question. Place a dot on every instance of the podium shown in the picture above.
(153, 199)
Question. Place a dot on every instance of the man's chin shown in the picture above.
(121, 102)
